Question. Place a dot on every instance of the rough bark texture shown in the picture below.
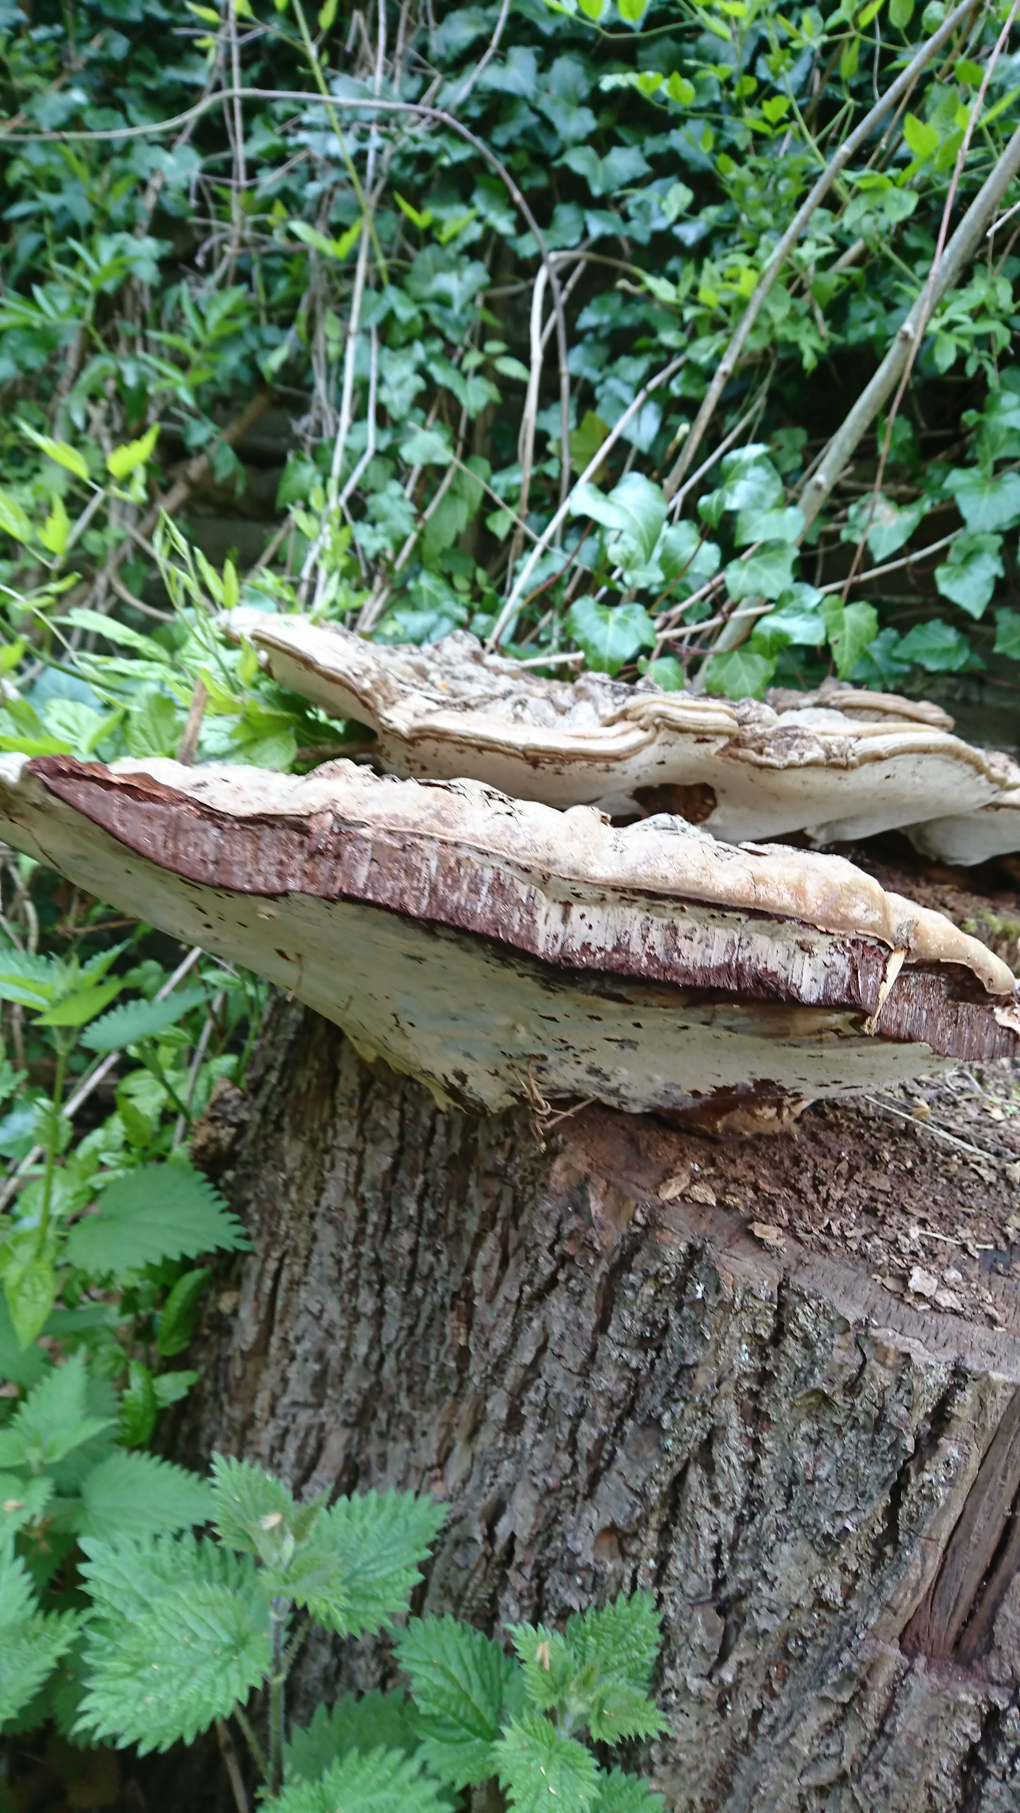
(615, 1379)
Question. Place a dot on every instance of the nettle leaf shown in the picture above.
(52, 1420)
(540, 1770)
(938, 647)
(985, 503)
(967, 577)
(460, 1680)
(889, 527)
(740, 673)
(179, 1318)
(764, 574)
(1007, 634)
(135, 1020)
(609, 635)
(362, 1560)
(30, 1642)
(622, 1638)
(178, 1666)
(378, 1721)
(154, 1212)
(135, 1494)
(383, 1781)
(250, 1504)
(622, 1793)
(851, 628)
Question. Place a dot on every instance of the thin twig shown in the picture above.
(232, 1765)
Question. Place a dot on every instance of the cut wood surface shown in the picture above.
(500, 950)
(837, 764)
(778, 1382)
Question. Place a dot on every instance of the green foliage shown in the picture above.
(373, 1781)
(154, 1212)
(463, 1686)
(31, 1641)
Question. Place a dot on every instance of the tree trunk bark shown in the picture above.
(626, 1356)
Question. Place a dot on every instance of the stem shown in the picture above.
(280, 1608)
(147, 1053)
(258, 1754)
(53, 1136)
(232, 1765)
(320, 82)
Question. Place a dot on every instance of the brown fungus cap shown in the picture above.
(501, 950)
(838, 764)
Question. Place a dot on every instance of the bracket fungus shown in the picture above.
(500, 950)
(838, 764)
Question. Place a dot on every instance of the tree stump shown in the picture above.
(774, 1380)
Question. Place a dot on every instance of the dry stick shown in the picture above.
(957, 256)
(512, 603)
(793, 232)
(193, 724)
(74, 1102)
(961, 158)
(844, 443)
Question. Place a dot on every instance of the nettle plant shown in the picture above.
(568, 307)
(180, 1633)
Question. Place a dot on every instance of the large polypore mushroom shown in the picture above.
(838, 764)
(500, 950)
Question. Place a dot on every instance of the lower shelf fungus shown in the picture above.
(500, 950)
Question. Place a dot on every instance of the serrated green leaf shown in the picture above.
(154, 1212)
(376, 1721)
(361, 1560)
(622, 1793)
(64, 455)
(249, 1504)
(541, 1770)
(609, 635)
(78, 1008)
(126, 459)
(30, 1642)
(383, 1781)
(459, 1678)
(30, 1291)
(623, 1638)
(135, 1020)
(138, 1408)
(178, 1666)
(52, 1420)
(136, 1495)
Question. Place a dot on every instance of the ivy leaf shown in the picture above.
(541, 1770)
(750, 480)
(881, 665)
(383, 1781)
(609, 635)
(793, 623)
(850, 629)
(635, 508)
(135, 1020)
(967, 577)
(740, 673)
(986, 504)
(938, 647)
(889, 527)
(764, 574)
(154, 1212)
(667, 672)
(459, 1679)
(1007, 634)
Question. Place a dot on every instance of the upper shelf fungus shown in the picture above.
(838, 764)
(502, 951)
